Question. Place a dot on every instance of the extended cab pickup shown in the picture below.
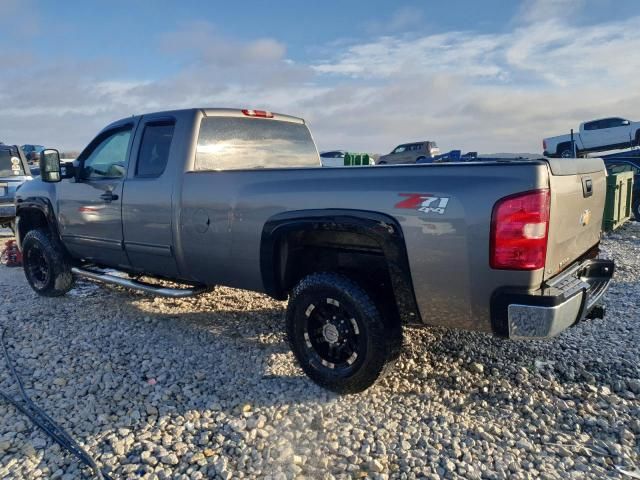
(209, 197)
(595, 136)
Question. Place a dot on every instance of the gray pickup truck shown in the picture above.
(207, 197)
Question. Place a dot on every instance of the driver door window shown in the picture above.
(108, 160)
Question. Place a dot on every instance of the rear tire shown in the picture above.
(338, 335)
(45, 264)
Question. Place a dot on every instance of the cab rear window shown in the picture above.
(235, 143)
(10, 164)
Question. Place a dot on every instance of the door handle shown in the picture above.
(109, 196)
(587, 187)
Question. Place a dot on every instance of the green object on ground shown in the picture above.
(617, 207)
(356, 159)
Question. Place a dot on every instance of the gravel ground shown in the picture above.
(206, 387)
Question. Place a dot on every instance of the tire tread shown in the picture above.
(62, 280)
(381, 335)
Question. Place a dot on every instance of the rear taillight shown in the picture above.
(519, 231)
(258, 113)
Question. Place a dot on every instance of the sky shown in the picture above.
(367, 75)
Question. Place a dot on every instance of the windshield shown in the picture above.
(10, 165)
(232, 143)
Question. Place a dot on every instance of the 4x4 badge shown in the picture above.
(423, 202)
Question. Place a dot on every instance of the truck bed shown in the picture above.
(448, 250)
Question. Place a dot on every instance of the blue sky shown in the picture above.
(367, 75)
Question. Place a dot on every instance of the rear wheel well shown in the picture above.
(354, 255)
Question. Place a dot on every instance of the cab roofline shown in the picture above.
(209, 112)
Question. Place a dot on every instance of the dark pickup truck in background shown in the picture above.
(14, 171)
(209, 197)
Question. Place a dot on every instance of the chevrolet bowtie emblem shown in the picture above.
(585, 218)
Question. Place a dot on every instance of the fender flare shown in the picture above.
(384, 230)
(42, 205)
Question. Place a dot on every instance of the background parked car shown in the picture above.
(411, 153)
(14, 171)
(630, 164)
(333, 158)
(595, 136)
(32, 152)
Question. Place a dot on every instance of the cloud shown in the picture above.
(544, 10)
(476, 91)
(463, 52)
(61, 102)
(487, 92)
(200, 39)
(402, 20)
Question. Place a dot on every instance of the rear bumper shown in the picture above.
(562, 302)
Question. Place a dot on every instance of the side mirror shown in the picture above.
(50, 166)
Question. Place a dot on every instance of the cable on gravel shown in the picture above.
(44, 421)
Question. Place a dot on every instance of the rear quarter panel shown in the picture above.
(223, 214)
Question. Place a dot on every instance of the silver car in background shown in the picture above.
(410, 153)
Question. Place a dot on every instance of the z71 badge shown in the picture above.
(423, 202)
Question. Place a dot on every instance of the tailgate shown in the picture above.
(578, 190)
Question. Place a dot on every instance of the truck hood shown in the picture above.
(560, 138)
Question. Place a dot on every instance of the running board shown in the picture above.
(140, 286)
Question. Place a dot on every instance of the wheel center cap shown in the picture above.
(330, 333)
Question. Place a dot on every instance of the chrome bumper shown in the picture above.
(560, 303)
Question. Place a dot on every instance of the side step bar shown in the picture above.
(140, 286)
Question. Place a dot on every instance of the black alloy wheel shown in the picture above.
(338, 334)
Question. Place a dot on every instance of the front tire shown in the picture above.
(337, 333)
(45, 264)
